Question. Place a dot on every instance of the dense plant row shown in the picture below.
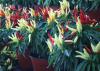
(68, 38)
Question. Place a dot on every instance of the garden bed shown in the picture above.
(50, 35)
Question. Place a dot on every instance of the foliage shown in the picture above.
(79, 35)
(67, 37)
(91, 60)
(85, 4)
(7, 61)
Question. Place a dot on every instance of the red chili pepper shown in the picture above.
(20, 8)
(75, 13)
(86, 19)
(19, 36)
(45, 13)
(29, 25)
(25, 15)
(15, 17)
(66, 29)
(51, 38)
(88, 50)
(36, 13)
(12, 7)
(2, 14)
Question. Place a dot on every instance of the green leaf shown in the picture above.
(79, 25)
(1, 69)
(80, 66)
(51, 60)
(76, 39)
(71, 29)
(98, 47)
(86, 53)
(93, 67)
(93, 47)
(47, 2)
(84, 67)
(40, 2)
(88, 67)
(10, 67)
(99, 67)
